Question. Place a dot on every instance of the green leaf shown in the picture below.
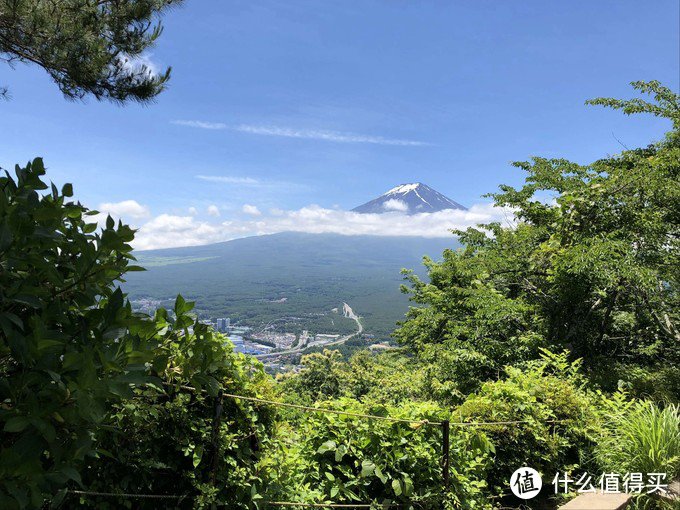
(18, 494)
(408, 486)
(327, 446)
(396, 487)
(16, 424)
(58, 498)
(198, 455)
(72, 473)
(27, 299)
(14, 319)
(45, 343)
(89, 228)
(380, 475)
(340, 452)
(367, 468)
(5, 236)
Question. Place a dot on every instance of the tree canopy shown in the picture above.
(83, 378)
(590, 266)
(88, 47)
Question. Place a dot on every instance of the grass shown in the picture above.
(645, 439)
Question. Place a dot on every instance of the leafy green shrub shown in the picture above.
(659, 382)
(90, 392)
(640, 437)
(338, 458)
(388, 378)
(559, 417)
(163, 442)
(64, 352)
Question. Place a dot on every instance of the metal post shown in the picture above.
(445, 453)
(217, 419)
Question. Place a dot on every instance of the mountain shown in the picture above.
(409, 198)
(285, 276)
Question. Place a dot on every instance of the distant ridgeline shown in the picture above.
(310, 275)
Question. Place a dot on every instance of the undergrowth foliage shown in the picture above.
(559, 415)
(337, 458)
(89, 390)
(163, 440)
(64, 351)
(640, 437)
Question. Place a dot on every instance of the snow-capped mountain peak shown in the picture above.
(411, 198)
(403, 188)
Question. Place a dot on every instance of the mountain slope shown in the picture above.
(264, 278)
(409, 198)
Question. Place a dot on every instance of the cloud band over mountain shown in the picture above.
(167, 230)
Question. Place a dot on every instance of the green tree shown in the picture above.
(89, 390)
(88, 47)
(165, 439)
(320, 379)
(389, 377)
(591, 266)
(63, 354)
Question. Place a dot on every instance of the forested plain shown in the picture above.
(564, 327)
(309, 276)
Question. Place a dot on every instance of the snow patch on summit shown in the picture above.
(403, 188)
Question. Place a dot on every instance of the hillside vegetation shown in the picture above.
(314, 273)
(553, 344)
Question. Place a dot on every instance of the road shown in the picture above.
(347, 312)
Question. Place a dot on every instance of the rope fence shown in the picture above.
(332, 411)
(371, 416)
(445, 426)
(268, 503)
(337, 505)
(126, 495)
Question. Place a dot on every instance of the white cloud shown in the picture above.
(241, 189)
(225, 179)
(394, 204)
(251, 209)
(199, 124)
(214, 211)
(125, 209)
(330, 136)
(309, 134)
(166, 231)
(193, 211)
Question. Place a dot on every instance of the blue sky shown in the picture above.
(333, 102)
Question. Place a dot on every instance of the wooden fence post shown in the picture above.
(445, 452)
(217, 420)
